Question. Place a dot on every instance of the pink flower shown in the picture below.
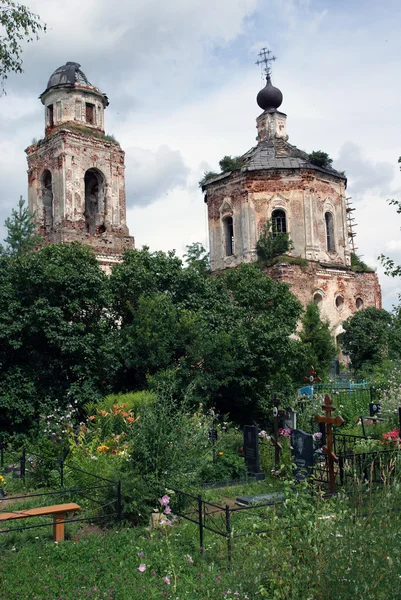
(317, 436)
(167, 580)
(141, 554)
(165, 500)
(190, 559)
(167, 510)
(142, 568)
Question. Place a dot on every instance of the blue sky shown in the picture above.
(182, 83)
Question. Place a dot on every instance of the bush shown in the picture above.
(271, 244)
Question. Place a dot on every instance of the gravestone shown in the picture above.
(374, 409)
(302, 452)
(251, 449)
(290, 419)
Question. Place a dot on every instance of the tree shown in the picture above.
(18, 24)
(272, 243)
(320, 159)
(318, 340)
(21, 227)
(366, 337)
(197, 258)
(57, 338)
(231, 163)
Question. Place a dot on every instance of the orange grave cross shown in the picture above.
(312, 377)
(329, 422)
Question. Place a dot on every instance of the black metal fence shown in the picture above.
(216, 518)
(99, 498)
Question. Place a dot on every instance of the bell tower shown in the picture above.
(76, 184)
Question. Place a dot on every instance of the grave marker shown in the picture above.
(251, 449)
(302, 451)
(329, 422)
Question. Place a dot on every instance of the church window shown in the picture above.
(47, 192)
(229, 235)
(329, 232)
(279, 222)
(359, 303)
(339, 302)
(50, 115)
(90, 113)
(94, 201)
(317, 298)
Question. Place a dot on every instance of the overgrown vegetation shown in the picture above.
(226, 164)
(272, 243)
(90, 132)
(358, 265)
(320, 159)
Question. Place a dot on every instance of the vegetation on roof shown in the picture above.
(358, 265)
(320, 159)
(226, 164)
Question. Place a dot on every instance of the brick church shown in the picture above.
(278, 182)
(77, 191)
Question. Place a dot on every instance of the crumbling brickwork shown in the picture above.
(76, 173)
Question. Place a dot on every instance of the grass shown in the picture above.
(314, 550)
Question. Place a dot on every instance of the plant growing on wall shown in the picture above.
(271, 243)
(320, 159)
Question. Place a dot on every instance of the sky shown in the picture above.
(182, 83)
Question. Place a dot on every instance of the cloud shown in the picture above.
(364, 174)
(150, 175)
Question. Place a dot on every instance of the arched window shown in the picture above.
(329, 232)
(359, 304)
(47, 192)
(279, 222)
(94, 201)
(318, 298)
(339, 302)
(228, 225)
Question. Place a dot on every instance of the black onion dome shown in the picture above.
(270, 97)
(67, 74)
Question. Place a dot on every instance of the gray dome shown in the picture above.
(270, 97)
(68, 74)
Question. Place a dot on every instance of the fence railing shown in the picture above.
(99, 497)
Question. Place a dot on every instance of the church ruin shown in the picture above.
(277, 182)
(76, 173)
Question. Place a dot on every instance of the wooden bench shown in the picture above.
(58, 511)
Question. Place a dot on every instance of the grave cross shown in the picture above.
(312, 377)
(329, 422)
(277, 446)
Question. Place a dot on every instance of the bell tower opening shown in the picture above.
(94, 201)
(47, 191)
(229, 235)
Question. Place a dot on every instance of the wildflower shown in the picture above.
(2, 480)
(167, 510)
(141, 568)
(141, 554)
(167, 580)
(221, 453)
(190, 559)
(165, 500)
(103, 448)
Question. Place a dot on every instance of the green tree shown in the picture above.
(21, 227)
(318, 340)
(272, 243)
(57, 338)
(366, 337)
(18, 25)
(320, 159)
(231, 163)
(197, 258)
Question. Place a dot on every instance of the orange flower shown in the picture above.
(92, 418)
(103, 448)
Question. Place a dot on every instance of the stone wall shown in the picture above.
(338, 292)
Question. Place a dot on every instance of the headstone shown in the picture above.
(374, 409)
(290, 419)
(334, 368)
(213, 435)
(251, 448)
(302, 451)
(268, 499)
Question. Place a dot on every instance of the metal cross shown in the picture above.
(329, 422)
(312, 377)
(265, 59)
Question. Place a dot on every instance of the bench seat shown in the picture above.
(58, 511)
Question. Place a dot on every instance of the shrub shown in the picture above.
(271, 244)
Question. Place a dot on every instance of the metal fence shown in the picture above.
(99, 498)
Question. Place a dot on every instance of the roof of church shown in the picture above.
(273, 154)
(70, 75)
